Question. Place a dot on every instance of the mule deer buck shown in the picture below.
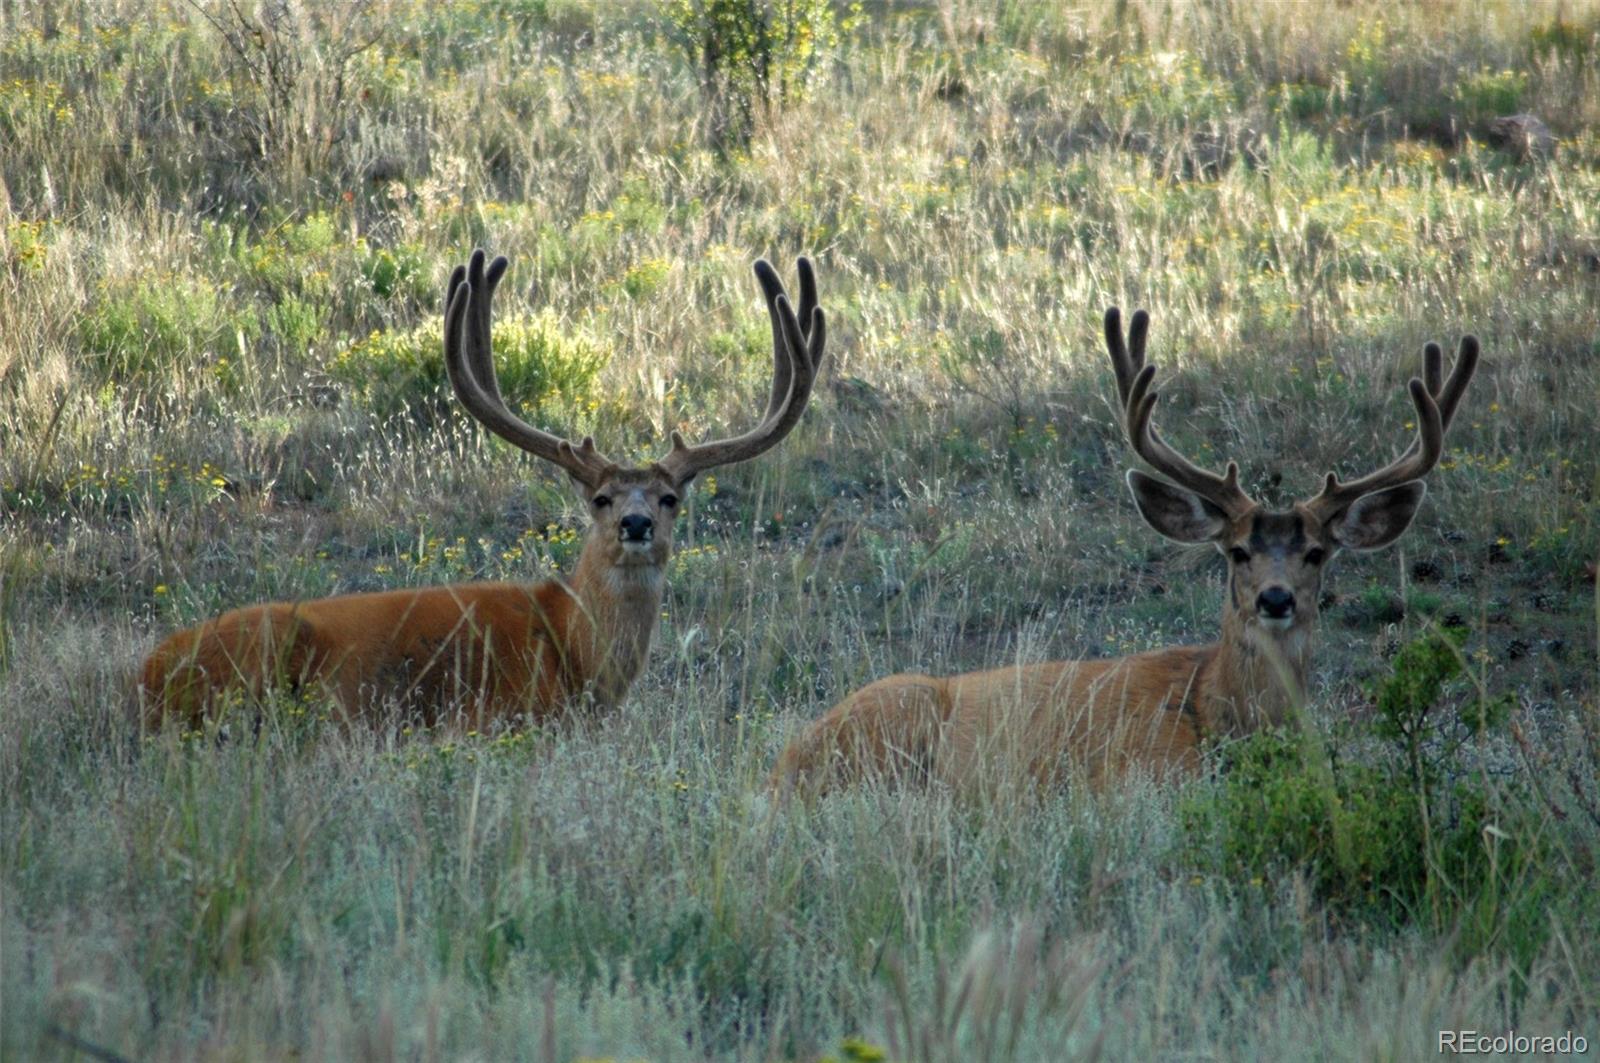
(1150, 711)
(475, 653)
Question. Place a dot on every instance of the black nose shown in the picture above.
(1275, 602)
(635, 528)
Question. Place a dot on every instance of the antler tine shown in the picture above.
(1436, 404)
(1449, 397)
(1447, 393)
(1125, 363)
(773, 287)
(796, 354)
(1134, 379)
(472, 375)
(1418, 459)
(480, 352)
(1222, 491)
(782, 366)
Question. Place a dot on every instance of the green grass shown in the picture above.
(218, 286)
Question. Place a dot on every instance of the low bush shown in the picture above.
(536, 359)
(1421, 831)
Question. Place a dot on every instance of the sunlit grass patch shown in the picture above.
(145, 329)
(537, 359)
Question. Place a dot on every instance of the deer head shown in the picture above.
(632, 509)
(1276, 558)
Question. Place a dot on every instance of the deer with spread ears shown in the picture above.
(474, 654)
(1149, 712)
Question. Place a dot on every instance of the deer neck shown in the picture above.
(1255, 676)
(619, 605)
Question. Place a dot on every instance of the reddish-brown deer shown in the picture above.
(1151, 711)
(472, 654)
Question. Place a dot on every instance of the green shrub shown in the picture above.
(1171, 87)
(139, 331)
(394, 271)
(1300, 100)
(1416, 832)
(643, 278)
(1490, 93)
(294, 323)
(1410, 711)
(1571, 40)
(25, 245)
(754, 55)
(638, 208)
(1355, 839)
(292, 256)
(535, 360)
(312, 235)
(1369, 57)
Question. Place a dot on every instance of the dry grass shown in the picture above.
(189, 244)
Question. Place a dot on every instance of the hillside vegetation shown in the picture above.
(225, 230)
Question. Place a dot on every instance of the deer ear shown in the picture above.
(1174, 512)
(1378, 519)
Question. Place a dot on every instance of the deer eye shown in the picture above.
(600, 501)
(1239, 555)
(669, 501)
(1315, 555)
